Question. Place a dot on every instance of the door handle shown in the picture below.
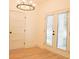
(53, 34)
(10, 32)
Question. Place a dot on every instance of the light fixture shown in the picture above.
(25, 5)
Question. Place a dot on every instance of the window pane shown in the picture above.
(62, 31)
(49, 30)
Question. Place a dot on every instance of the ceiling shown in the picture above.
(43, 5)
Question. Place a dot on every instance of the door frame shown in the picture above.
(45, 27)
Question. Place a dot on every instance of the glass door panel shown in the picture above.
(49, 37)
(62, 31)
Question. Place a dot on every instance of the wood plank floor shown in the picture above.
(33, 53)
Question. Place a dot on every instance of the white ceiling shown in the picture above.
(49, 5)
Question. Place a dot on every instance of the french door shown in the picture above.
(16, 31)
(62, 31)
(49, 30)
(56, 30)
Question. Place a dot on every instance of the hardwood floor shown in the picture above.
(33, 53)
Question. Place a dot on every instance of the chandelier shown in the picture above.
(25, 5)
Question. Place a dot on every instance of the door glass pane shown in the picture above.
(49, 30)
(62, 31)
